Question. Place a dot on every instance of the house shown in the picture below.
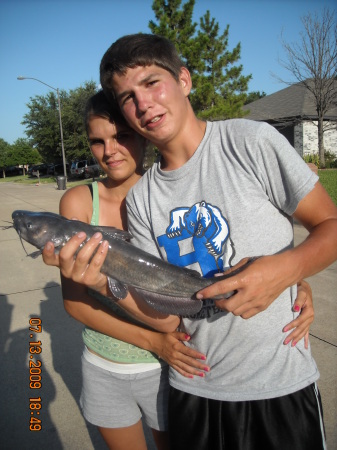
(293, 113)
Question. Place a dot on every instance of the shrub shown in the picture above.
(330, 159)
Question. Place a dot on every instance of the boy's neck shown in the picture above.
(175, 154)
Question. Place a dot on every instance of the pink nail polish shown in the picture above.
(202, 375)
(296, 308)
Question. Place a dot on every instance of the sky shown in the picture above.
(61, 42)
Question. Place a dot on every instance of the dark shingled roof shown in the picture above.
(293, 101)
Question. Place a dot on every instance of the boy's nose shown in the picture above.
(142, 102)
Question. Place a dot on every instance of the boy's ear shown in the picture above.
(185, 80)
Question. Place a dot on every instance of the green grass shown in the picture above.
(21, 179)
(24, 179)
(328, 179)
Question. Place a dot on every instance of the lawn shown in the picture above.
(43, 180)
(328, 178)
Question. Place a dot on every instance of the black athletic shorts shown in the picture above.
(291, 422)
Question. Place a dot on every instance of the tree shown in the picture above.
(313, 62)
(75, 137)
(175, 23)
(4, 155)
(23, 153)
(43, 127)
(42, 124)
(219, 89)
(253, 96)
(219, 86)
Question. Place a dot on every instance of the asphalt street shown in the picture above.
(30, 294)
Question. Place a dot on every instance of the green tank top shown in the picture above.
(106, 346)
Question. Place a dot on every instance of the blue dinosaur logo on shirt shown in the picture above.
(198, 236)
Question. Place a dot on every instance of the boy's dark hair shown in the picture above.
(138, 50)
(99, 105)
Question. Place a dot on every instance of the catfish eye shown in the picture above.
(29, 225)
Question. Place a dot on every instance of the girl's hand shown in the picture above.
(81, 267)
(304, 305)
(49, 256)
(170, 347)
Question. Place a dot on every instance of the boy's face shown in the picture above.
(153, 102)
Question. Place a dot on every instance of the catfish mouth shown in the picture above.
(18, 230)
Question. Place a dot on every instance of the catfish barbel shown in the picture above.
(167, 288)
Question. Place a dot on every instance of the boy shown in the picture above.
(221, 192)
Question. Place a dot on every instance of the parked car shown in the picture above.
(87, 168)
(13, 170)
(58, 169)
(39, 169)
(77, 168)
(50, 169)
(92, 170)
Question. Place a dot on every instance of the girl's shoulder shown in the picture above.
(76, 202)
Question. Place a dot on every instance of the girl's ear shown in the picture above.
(185, 80)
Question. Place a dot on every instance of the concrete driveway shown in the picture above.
(28, 288)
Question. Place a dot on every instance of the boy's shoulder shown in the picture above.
(239, 123)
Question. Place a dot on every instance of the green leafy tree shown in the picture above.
(175, 23)
(23, 153)
(219, 88)
(253, 96)
(75, 139)
(4, 155)
(43, 126)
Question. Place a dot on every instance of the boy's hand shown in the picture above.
(257, 286)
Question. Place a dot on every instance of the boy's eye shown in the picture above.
(126, 99)
(153, 82)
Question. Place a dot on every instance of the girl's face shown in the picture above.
(117, 148)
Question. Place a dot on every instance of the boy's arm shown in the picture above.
(265, 279)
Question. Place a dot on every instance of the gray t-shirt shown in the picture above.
(234, 198)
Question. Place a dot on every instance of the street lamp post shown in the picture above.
(61, 130)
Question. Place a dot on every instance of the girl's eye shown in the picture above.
(95, 142)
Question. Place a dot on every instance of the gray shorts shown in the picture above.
(114, 400)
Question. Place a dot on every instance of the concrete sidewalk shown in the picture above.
(29, 288)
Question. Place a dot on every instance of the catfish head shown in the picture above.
(39, 228)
